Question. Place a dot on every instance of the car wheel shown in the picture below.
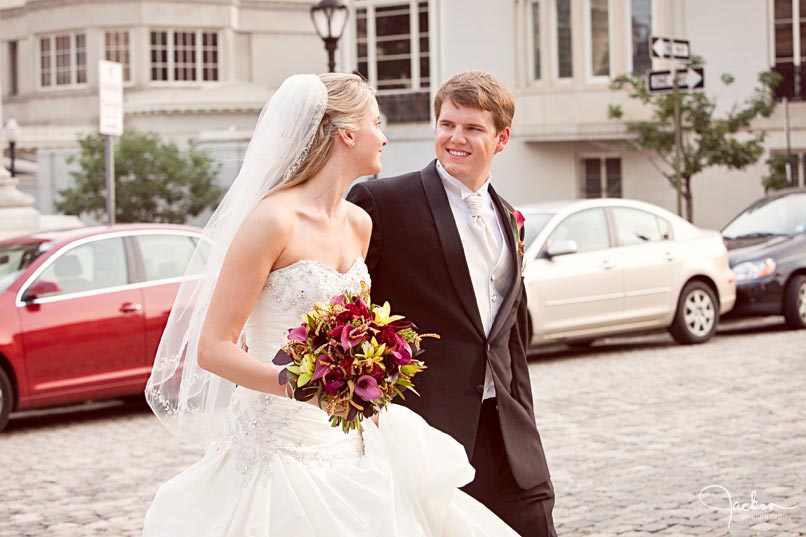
(795, 302)
(697, 314)
(6, 398)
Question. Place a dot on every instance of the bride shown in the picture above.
(282, 239)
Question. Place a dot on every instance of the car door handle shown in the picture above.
(668, 256)
(607, 265)
(130, 307)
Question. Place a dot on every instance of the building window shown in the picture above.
(116, 49)
(63, 60)
(184, 56)
(536, 40)
(564, 51)
(392, 51)
(641, 23)
(209, 56)
(392, 45)
(599, 38)
(81, 58)
(790, 21)
(13, 68)
(159, 56)
(602, 178)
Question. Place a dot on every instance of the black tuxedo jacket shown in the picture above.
(417, 263)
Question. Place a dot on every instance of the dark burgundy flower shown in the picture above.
(377, 372)
(333, 381)
(387, 335)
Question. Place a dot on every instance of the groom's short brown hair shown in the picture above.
(479, 90)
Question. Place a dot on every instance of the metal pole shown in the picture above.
(678, 181)
(788, 166)
(330, 44)
(110, 180)
(11, 146)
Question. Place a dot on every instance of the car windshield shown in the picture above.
(14, 258)
(780, 216)
(535, 222)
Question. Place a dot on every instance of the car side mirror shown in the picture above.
(561, 247)
(41, 288)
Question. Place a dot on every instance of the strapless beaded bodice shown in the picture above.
(289, 293)
(261, 426)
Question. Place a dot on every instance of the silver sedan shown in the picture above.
(602, 267)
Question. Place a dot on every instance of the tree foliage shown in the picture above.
(707, 140)
(777, 176)
(154, 180)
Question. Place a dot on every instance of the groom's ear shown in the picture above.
(347, 136)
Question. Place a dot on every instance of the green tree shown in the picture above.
(777, 177)
(154, 180)
(707, 140)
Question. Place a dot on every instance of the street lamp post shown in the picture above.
(329, 18)
(12, 133)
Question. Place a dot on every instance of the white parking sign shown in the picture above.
(110, 86)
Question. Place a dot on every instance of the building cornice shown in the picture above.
(28, 6)
(578, 132)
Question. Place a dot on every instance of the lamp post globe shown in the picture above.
(329, 19)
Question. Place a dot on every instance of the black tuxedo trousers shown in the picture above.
(417, 263)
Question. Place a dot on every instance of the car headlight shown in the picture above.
(754, 270)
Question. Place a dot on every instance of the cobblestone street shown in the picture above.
(634, 430)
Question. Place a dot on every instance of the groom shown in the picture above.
(444, 252)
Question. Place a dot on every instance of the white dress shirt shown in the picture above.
(490, 280)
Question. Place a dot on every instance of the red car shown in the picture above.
(82, 311)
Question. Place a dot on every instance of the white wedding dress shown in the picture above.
(283, 471)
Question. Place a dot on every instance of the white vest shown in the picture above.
(490, 281)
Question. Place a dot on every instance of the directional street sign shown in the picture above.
(691, 78)
(666, 47)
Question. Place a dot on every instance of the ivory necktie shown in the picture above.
(475, 203)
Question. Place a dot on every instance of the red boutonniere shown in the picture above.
(516, 220)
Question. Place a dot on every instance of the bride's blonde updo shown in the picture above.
(348, 100)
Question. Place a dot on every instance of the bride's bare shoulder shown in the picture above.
(360, 221)
(273, 214)
(359, 217)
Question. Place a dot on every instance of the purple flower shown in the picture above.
(402, 353)
(350, 337)
(300, 333)
(322, 367)
(367, 389)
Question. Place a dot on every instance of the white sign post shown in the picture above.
(110, 87)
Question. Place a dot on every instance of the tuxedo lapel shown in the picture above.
(509, 242)
(451, 243)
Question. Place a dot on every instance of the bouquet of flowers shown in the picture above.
(354, 356)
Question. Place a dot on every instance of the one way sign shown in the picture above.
(666, 47)
(690, 78)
